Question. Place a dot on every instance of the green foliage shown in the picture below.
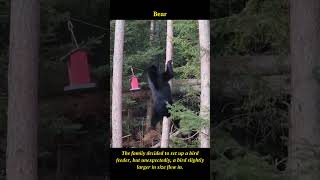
(261, 27)
(189, 70)
(265, 112)
(59, 126)
(129, 102)
(189, 120)
(236, 163)
(190, 99)
(140, 58)
(186, 45)
(261, 118)
(177, 142)
(53, 122)
(223, 8)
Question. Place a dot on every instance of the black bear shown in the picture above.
(161, 91)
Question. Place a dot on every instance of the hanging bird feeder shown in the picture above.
(79, 71)
(78, 67)
(134, 82)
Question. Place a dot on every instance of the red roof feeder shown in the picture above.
(134, 82)
(79, 71)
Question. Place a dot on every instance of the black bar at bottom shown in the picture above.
(149, 163)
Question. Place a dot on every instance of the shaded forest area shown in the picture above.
(251, 89)
(265, 89)
(72, 126)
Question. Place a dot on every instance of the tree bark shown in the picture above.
(165, 132)
(204, 39)
(149, 102)
(22, 132)
(152, 31)
(169, 52)
(149, 113)
(169, 45)
(304, 125)
(117, 85)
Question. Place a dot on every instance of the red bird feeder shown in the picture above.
(78, 70)
(134, 82)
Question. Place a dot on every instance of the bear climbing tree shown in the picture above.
(161, 91)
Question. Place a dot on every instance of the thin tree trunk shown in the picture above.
(169, 51)
(204, 38)
(149, 114)
(165, 132)
(117, 85)
(22, 134)
(149, 102)
(157, 25)
(304, 126)
(169, 45)
(152, 31)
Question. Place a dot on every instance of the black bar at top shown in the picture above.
(174, 9)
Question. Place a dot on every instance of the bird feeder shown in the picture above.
(134, 82)
(79, 71)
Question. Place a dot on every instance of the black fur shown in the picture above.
(161, 92)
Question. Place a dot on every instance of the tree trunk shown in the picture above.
(169, 46)
(152, 28)
(304, 126)
(22, 134)
(169, 51)
(149, 102)
(165, 132)
(204, 39)
(117, 85)
(149, 113)
(157, 25)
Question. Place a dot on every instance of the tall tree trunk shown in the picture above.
(22, 146)
(169, 45)
(157, 24)
(152, 31)
(169, 51)
(149, 102)
(204, 39)
(304, 126)
(157, 41)
(149, 113)
(117, 85)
